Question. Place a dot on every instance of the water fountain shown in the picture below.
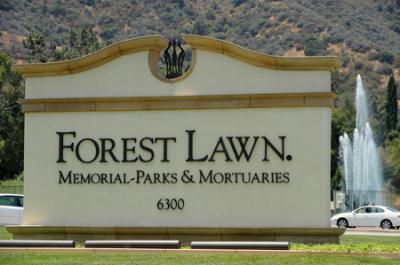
(360, 162)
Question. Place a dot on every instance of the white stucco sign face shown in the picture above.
(229, 151)
(187, 168)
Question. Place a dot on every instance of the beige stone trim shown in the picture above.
(30, 229)
(154, 44)
(291, 100)
(261, 59)
(185, 234)
(92, 60)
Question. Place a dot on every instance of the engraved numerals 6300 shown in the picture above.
(170, 204)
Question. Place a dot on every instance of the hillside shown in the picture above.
(365, 34)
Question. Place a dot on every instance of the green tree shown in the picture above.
(88, 41)
(11, 120)
(314, 46)
(200, 27)
(342, 122)
(392, 162)
(36, 46)
(336, 180)
(81, 42)
(391, 106)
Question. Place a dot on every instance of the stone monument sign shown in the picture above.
(235, 146)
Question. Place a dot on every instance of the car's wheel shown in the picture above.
(342, 223)
(386, 224)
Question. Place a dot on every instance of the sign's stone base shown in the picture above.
(185, 235)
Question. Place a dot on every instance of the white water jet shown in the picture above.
(361, 165)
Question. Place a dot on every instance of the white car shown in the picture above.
(375, 215)
(11, 209)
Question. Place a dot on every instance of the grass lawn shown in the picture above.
(4, 235)
(25, 258)
(370, 239)
(363, 244)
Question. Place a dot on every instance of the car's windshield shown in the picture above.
(361, 210)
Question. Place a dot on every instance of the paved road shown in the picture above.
(372, 231)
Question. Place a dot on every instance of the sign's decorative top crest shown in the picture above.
(174, 60)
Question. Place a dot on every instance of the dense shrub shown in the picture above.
(314, 46)
(359, 47)
(88, 2)
(384, 70)
(6, 5)
(200, 27)
(189, 11)
(395, 28)
(180, 3)
(335, 37)
(238, 2)
(358, 65)
(58, 10)
(385, 57)
(105, 19)
(109, 32)
(397, 62)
